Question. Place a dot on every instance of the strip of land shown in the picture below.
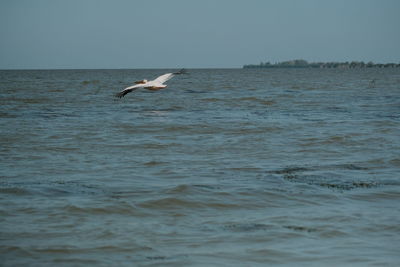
(300, 63)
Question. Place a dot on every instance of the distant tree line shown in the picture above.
(300, 63)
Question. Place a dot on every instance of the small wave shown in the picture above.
(173, 108)
(190, 189)
(120, 208)
(180, 189)
(173, 203)
(170, 203)
(153, 163)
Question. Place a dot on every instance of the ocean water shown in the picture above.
(225, 167)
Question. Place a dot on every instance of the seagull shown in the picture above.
(154, 85)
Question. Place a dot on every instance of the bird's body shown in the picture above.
(153, 85)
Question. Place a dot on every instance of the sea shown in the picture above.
(224, 167)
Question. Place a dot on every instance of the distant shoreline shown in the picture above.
(300, 63)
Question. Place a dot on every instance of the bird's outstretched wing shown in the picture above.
(163, 78)
(128, 90)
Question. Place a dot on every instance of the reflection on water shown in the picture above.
(224, 167)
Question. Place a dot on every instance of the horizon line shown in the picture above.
(167, 68)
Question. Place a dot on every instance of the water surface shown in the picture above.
(238, 167)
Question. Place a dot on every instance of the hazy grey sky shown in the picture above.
(194, 34)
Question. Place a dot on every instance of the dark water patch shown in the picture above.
(189, 91)
(90, 82)
(156, 258)
(178, 128)
(350, 166)
(329, 176)
(51, 148)
(171, 259)
(7, 115)
(159, 146)
(255, 100)
(329, 180)
(212, 99)
(16, 251)
(56, 90)
(144, 146)
(300, 228)
(245, 169)
(154, 163)
(349, 185)
(342, 166)
(15, 191)
(33, 100)
(337, 109)
(77, 261)
(395, 162)
(247, 227)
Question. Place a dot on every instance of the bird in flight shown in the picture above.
(154, 85)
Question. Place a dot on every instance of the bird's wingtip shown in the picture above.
(119, 94)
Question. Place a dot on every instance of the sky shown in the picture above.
(118, 34)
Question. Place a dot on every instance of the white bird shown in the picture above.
(155, 84)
